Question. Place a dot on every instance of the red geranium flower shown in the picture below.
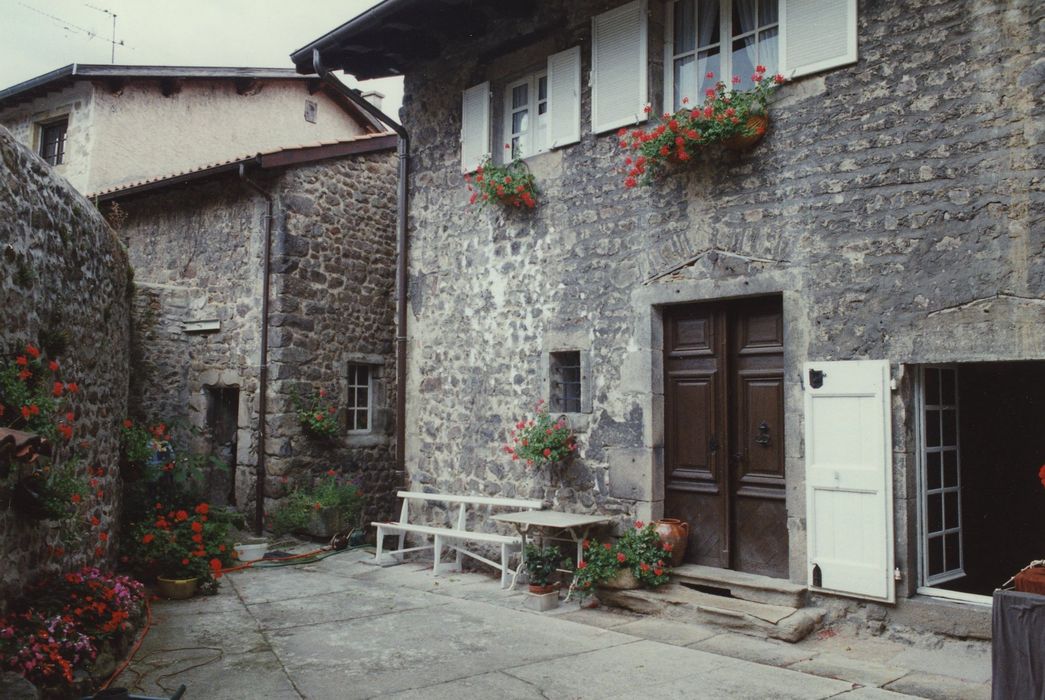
(72, 387)
(202, 509)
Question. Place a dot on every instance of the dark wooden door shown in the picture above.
(724, 432)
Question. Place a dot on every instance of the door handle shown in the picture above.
(763, 434)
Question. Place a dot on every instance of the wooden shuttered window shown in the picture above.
(475, 126)
(619, 67)
(816, 35)
(564, 97)
(849, 478)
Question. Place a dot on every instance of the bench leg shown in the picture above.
(504, 564)
(380, 543)
(437, 555)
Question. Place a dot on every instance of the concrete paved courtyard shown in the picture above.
(342, 628)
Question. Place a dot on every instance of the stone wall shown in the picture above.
(895, 204)
(65, 286)
(198, 252)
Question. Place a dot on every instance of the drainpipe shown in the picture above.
(263, 370)
(403, 151)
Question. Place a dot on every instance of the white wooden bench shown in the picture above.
(453, 537)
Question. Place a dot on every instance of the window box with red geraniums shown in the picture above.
(638, 552)
(733, 118)
(511, 185)
(539, 441)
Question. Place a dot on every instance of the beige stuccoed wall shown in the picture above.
(137, 133)
(140, 133)
(76, 102)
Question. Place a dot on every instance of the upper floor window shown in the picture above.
(724, 38)
(52, 141)
(526, 116)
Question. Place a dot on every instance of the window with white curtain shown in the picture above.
(526, 116)
(724, 37)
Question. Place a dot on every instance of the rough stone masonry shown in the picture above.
(895, 204)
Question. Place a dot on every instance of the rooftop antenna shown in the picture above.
(113, 40)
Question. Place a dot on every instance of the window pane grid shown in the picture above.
(358, 408)
(944, 559)
(566, 382)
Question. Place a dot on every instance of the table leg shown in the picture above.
(522, 557)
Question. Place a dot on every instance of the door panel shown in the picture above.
(724, 458)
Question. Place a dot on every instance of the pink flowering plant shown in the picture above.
(511, 185)
(678, 137)
(317, 414)
(541, 440)
(639, 549)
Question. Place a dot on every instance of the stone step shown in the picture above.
(738, 584)
(687, 605)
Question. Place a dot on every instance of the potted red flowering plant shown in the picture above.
(182, 550)
(510, 185)
(736, 119)
(540, 441)
(637, 558)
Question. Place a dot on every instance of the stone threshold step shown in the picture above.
(752, 587)
(687, 605)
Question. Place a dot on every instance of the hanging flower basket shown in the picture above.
(511, 185)
(757, 124)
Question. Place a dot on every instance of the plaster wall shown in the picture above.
(895, 204)
(75, 102)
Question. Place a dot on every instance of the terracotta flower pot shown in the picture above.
(541, 589)
(759, 123)
(676, 533)
(176, 588)
(624, 581)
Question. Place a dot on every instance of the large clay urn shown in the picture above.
(676, 533)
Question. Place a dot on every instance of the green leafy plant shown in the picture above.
(639, 550)
(330, 491)
(317, 415)
(680, 136)
(542, 563)
(511, 185)
(541, 440)
(51, 492)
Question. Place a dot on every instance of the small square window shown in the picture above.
(360, 393)
(565, 381)
(52, 141)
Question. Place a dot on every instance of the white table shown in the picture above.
(555, 525)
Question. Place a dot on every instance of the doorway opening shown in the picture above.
(981, 444)
(724, 432)
(222, 429)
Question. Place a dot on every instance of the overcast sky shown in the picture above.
(37, 36)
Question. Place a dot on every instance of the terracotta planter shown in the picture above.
(676, 533)
(176, 588)
(623, 581)
(541, 589)
(759, 123)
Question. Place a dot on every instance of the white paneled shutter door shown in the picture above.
(849, 478)
(564, 97)
(618, 67)
(475, 126)
(816, 35)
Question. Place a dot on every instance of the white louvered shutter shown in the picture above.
(816, 35)
(618, 67)
(564, 97)
(849, 478)
(475, 126)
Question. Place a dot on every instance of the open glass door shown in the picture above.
(942, 549)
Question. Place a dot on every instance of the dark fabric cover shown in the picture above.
(1018, 646)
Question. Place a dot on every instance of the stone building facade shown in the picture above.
(65, 286)
(892, 213)
(197, 248)
(130, 123)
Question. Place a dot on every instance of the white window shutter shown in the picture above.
(475, 126)
(816, 35)
(564, 97)
(849, 478)
(618, 67)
